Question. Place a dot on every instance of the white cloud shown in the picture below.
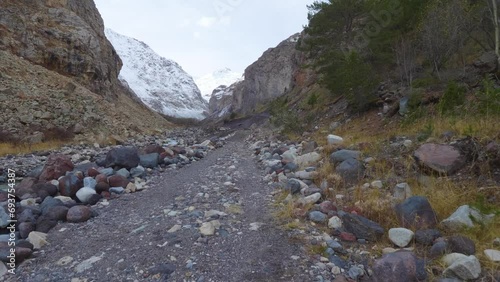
(197, 35)
(207, 22)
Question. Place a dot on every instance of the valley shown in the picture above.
(327, 159)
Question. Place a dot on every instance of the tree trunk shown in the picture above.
(497, 29)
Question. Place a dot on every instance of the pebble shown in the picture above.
(401, 237)
(493, 255)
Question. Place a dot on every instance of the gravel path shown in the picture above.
(145, 236)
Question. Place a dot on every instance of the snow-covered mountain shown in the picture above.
(160, 83)
(209, 82)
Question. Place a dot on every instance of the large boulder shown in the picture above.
(362, 227)
(124, 157)
(56, 166)
(416, 213)
(399, 266)
(443, 159)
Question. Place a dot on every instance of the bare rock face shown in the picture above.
(59, 76)
(277, 72)
(66, 36)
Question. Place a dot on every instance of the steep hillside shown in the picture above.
(208, 83)
(59, 75)
(160, 83)
(277, 72)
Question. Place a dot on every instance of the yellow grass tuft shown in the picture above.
(15, 149)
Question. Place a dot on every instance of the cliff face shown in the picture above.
(277, 72)
(59, 73)
(65, 36)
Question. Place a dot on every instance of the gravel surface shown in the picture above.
(155, 235)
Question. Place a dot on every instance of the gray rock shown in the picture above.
(117, 190)
(123, 172)
(89, 182)
(293, 186)
(4, 218)
(403, 106)
(462, 218)
(416, 212)
(362, 227)
(402, 191)
(427, 236)
(401, 237)
(149, 160)
(342, 155)
(50, 202)
(138, 172)
(466, 268)
(318, 217)
(124, 157)
(356, 272)
(106, 171)
(334, 140)
(461, 244)
(351, 170)
(439, 248)
(85, 194)
(399, 266)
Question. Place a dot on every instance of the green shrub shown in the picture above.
(312, 100)
(489, 99)
(425, 82)
(452, 100)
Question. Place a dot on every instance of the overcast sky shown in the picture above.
(206, 35)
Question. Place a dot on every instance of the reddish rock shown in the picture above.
(101, 178)
(118, 181)
(69, 185)
(102, 187)
(25, 187)
(79, 174)
(399, 266)
(78, 214)
(92, 172)
(327, 207)
(299, 212)
(55, 167)
(349, 237)
(443, 159)
(106, 195)
(150, 149)
(21, 254)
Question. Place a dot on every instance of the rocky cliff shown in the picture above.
(277, 72)
(58, 70)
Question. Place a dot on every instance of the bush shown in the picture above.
(489, 99)
(312, 100)
(452, 100)
(282, 117)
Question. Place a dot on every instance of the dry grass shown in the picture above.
(15, 149)
(371, 134)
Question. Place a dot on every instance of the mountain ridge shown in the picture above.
(159, 82)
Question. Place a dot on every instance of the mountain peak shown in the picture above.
(209, 82)
(160, 83)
